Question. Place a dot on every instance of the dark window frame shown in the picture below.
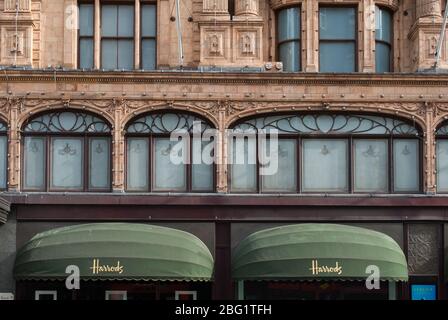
(143, 38)
(350, 161)
(85, 2)
(150, 137)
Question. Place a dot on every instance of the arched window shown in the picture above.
(442, 158)
(158, 161)
(3, 156)
(327, 153)
(66, 151)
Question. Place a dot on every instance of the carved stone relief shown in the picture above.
(423, 247)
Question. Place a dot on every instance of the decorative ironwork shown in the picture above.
(423, 242)
(328, 124)
(3, 127)
(442, 131)
(67, 121)
(166, 123)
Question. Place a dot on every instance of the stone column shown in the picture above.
(246, 7)
(97, 36)
(118, 149)
(429, 150)
(427, 8)
(13, 146)
(221, 150)
(310, 24)
(367, 54)
(137, 35)
(215, 6)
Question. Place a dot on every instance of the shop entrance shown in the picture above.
(114, 290)
(313, 290)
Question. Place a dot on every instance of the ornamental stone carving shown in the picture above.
(423, 257)
(246, 7)
(23, 5)
(426, 8)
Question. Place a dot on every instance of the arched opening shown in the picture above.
(66, 150)
(170, 152)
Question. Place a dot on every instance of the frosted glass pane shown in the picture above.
(86, 53)
(168, 175)
(99, 168)
(126, 54)
(289, 54)
(337, 57)
(325, 166)
(442, 165)
(149, 20)
(371, 169)
(109, 21)
(244, 171)
(289, 24)
(285, 179)
(109, 54)
(406, 165)
(125, 21)
(148, 54)
(3, 161)
(383, 24)
(202, 173)
(66, 163)
(137, 164)
(86, 20)
(337, 23)
(34, 163)
(382, 57)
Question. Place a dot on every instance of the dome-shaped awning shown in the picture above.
(318, 252)
(115, 251)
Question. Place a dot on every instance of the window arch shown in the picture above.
(442, 158)
(149, 148)
(327, 153)
(3, 156)
(66, 150)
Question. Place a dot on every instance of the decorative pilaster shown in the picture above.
(425, 34)
(118, 151)
(14, 146)
(310, 16)
(429, 146)
(221, 150)
(137, 35)
(367, 54)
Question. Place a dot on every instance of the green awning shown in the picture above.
(115, 251)
(317, 252)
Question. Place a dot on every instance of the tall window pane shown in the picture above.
(371, 168)
(117, 32)
(406, 165)
(383, 36)
(99, 163)
(202, 170)
(66, 163)
(244, 170)
(149, 33)
(324, 165)
(86, 35)
(3, 161)
(288, 26)
(337, 31)
(285, 177)
(137, 164)
(442, 165)
(168, 174)
(34, 163)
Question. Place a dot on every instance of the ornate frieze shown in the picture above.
(20, 5)
(426, 8)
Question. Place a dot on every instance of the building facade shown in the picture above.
(90, 92)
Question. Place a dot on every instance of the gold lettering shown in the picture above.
(316, 269)
(97, 268)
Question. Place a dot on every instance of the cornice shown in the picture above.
(358, 79)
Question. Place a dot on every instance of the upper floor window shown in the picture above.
(66, 151)
(337, 39)
(328, 153)
(3, 156)
(119, 43)
(150, 163)
(288, 36)
(383, 40)
(442, 158)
